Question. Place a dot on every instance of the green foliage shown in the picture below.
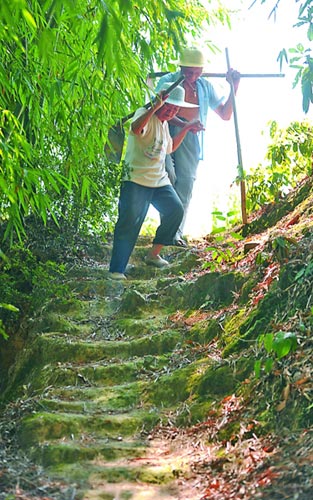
(300, 57)
(222, 252)
(218, 257)
(9, 307)
(279, 345)
(69, 70)
(289, 157)
(301, 60)
(281, 248)
(222, 222)
(26, 286)
(149, 227)
(306, 272)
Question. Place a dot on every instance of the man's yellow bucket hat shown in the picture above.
(192, 58)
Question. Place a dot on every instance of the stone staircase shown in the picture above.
(103, 371)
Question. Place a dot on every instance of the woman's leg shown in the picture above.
(132, 208)
(168, 204)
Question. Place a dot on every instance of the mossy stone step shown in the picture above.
(110, 476)
(109, 399)
(99, 326)
(78, 309)
(164, 391)
(133, 491)
(67, 452)
(209, 291)
(91, 288)
(100, 284)
(134, 327)
(44, 426)
(101, 373)
(54, 346)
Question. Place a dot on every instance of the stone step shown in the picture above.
(41, 427)
(129, 478)
(155, 390)
(90, 400)
(55, 346)
(96, 325)
(53, 453)
(103, 373)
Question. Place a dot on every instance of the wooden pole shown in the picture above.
(239, 155)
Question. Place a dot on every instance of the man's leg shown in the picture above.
(186, 160)
(170, 169)
(132, 208)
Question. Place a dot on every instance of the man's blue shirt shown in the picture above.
(207, 97)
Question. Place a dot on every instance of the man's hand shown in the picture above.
(233, 76)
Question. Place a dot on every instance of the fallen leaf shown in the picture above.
(281, 406)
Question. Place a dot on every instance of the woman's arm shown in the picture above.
(194, 126)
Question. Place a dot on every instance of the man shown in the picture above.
(182, 165)
(148, 143)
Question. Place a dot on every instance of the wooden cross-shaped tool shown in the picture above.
(239, 155)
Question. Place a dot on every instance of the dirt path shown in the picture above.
(124, 392)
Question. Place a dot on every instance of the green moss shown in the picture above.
(149, 475)
(211, 290)
(53, 347)
(115, 401)
(93, 288)
(218, 381)
(193, 412)
(46, 426)
(230, 431)
(106, 373)
(215, 289)
(132, 301)
(54, 322)
(138, 327)
(50, 454)
(170, 389)
(205, 331)
(246, 289)
(258, 322)
(231, 328)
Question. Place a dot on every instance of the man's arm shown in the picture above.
(225, 110)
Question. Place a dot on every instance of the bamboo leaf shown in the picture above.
(29, 19)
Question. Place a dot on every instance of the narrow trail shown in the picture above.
(146, 389)
(102, 369)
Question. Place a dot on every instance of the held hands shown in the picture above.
(194, 126)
